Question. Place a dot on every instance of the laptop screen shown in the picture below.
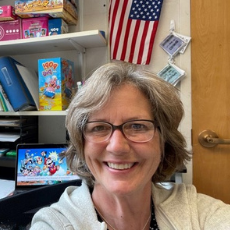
(40, 164)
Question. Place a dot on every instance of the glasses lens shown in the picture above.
(97, 131)
(139, 131)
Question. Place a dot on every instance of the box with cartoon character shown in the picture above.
(56, 83)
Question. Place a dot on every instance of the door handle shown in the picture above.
(208, 139)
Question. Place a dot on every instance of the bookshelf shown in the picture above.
(85, 45)
(79, 41)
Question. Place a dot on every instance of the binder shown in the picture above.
(19, 83)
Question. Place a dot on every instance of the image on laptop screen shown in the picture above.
(40, 164)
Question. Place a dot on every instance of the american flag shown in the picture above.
(132, 28)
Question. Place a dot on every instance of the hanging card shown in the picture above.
(172, 74)
(172, 45)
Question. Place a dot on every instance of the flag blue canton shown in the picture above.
(147, 10)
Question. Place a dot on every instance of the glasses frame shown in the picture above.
(120, 127)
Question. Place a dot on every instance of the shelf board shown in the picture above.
(34, 113)
(63, 42)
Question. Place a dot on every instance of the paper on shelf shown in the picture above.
(11, 122)
(9, 137)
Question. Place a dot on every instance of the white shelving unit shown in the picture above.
(84, 45)
(79, 41)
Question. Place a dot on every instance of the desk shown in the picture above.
(7, 187)
(25, 204)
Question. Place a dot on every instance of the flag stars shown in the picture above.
(145, 10)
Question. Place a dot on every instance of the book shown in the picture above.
(4, 101)
(19, 83)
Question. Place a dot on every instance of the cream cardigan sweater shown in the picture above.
(179, 208)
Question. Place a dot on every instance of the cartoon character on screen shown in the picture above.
(26, 163)
(38, 160)
(29, 158)
(30, 164)
(36, 171)
(50, 162)
(24, 170)
(51, 87)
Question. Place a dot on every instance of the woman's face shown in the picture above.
(121, 166)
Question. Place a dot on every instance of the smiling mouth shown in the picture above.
(120, 166)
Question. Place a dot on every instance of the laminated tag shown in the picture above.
(172, 44)
(172, 74)
(186, 39)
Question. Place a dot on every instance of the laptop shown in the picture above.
(40, 165)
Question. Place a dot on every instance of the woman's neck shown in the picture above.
(123, 211)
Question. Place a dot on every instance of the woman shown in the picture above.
(123, 142)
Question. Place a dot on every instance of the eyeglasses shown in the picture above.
(135, 130)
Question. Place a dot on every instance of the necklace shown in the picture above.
(115, 228)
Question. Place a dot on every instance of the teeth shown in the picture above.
(120, 166)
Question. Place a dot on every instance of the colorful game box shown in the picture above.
(57, 26)
(56, 83)
(10, 30)
(34, 27)
(57, 9)
(7, 13)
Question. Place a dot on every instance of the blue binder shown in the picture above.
(14, 85)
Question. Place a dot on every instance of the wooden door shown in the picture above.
(210, 31)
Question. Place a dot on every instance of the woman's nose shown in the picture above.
(118, 144)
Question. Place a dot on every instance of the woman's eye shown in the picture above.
(137, 126)
(98, 128)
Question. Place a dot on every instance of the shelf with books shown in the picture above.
(63, 42)
(79, 41)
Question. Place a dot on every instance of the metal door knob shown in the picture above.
(208, 139)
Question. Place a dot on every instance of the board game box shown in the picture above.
(56, 83)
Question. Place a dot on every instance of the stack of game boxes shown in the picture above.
(36, 18)
(10, 24)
